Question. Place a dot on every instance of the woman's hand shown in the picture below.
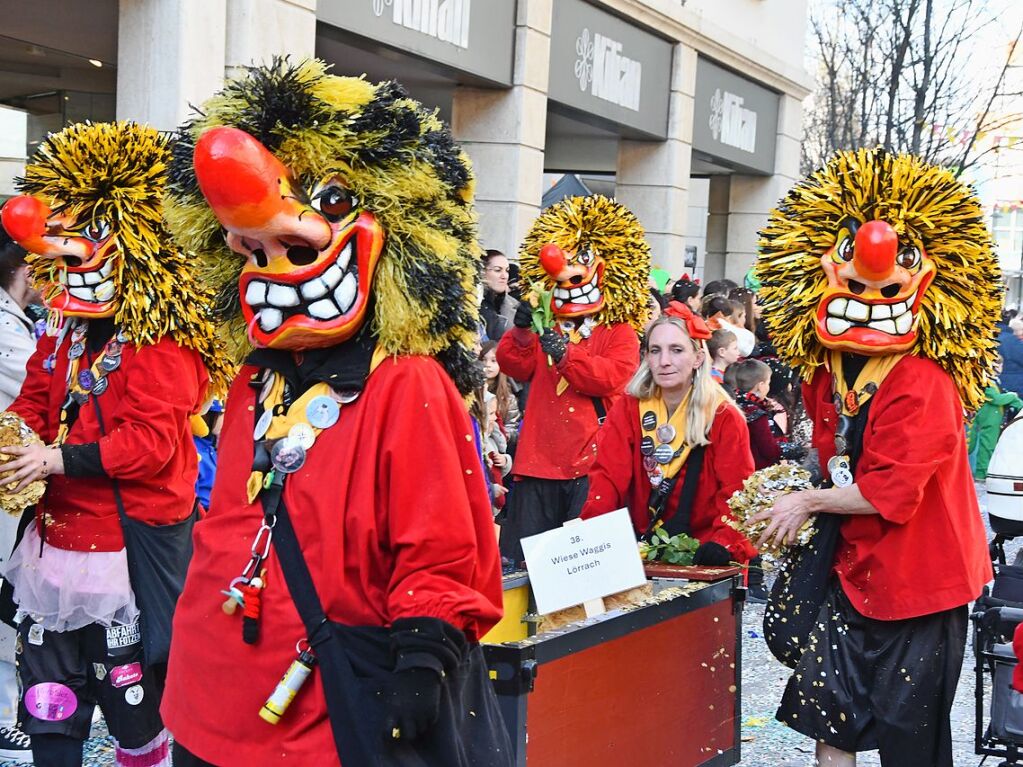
(788, 515)
(30, 463)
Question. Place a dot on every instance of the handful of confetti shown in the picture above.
(14, 431)
(759, 493)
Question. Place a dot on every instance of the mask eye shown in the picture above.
(844, 249)
(585, 257)
(908, 257)
(96, 230)
(334, 202)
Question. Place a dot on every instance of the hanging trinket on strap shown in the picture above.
(90, 381)
(848, 402)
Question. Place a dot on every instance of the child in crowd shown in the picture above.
(720, 313)
(766, 419)
(497, 383)
(998, 409)
(495, 453)
(723, 349)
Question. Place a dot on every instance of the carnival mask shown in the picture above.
(578, 278)
(311, 251)
(876, 281)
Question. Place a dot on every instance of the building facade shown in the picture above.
(690, 110)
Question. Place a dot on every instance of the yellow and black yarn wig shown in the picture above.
(926, 205)
(116, 172)
(614, 233)
(397, 157)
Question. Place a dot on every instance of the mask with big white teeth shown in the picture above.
(311, 252)
(80, 252)
(875, 285)
(578, 279)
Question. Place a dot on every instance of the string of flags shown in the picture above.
(963, 136)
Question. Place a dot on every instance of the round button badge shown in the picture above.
(649, 420)
(303, 434)
(663, 454)
(666, 432)
(287, 456)
(322, 412)
(263, 425)
(646, 446)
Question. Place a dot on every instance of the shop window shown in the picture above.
(1007, 229)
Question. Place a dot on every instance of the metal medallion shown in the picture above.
(303, 434)
(841, 444)
(100, 386)
(663, 454)
(263, 425)
(649, 420)
(113, 349)
(78, 333)
(268, 383)
(77, 350)
(345, 397)
(840, 471)
(646, 446)
(81, 397)
(122, 337)
(287, 455)
(86, 379)
(666, 433)
(322, 412)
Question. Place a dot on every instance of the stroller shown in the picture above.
(998, 610)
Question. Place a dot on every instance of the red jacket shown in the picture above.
(557, 439)
(148, 444)
(926, 550)
(392, 511)
(618, 479)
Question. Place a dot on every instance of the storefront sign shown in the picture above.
(473, 36)
(735, 119)
(604, 66)
(589, 560)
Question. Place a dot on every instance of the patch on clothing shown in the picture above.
(35, 634)
(122, 676)
(123, 636)
(100, 671)
(51, 701)
(134, 695)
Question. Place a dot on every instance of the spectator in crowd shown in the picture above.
(17, 342)
(495, 453)
(999, 407)
(767, 420)
(655, 304)
(720, 287)
(514, 281)
(1011, 349)
(719, 312)
(688, 292)
(674, 414)
(497, 310)
(749, 313)
(723, 349)
(205, 432)
(497, 383)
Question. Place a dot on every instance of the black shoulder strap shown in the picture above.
(679, 523)
(337, 676)
(598, 405)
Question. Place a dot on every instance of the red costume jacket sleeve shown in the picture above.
(896, 464)
(167, 384)
(33, 402)
(611, 475)
(516, 353)
(1017, 648)
(731, 465)
(607, 374)
(441, 527)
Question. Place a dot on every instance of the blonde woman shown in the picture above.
(675, 448)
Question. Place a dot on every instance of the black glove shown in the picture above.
(523, 315)
(553, 344)
(426, 649)
(710, 554)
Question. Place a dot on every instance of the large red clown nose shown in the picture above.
(24, 219)
(552, 259)
(876, 247)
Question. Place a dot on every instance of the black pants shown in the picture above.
(182, 757)
(536, 506)
(864, 684)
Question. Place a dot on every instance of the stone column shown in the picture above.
(753, 197)
(503, 132)
(653, 176)
(170, 54)
(258, 30)
(717, 228)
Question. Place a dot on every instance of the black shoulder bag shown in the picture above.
(355, 665)
(158, 557)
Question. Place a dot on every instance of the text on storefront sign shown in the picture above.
(444, 20)
(731, 123)
(606, 71)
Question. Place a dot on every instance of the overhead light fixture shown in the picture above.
(96, 62)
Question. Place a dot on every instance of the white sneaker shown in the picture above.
(15, 745)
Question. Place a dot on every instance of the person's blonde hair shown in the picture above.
(706, 395)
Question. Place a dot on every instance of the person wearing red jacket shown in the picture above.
(109, 391)
(588, 262)
(349, 544)
(645, 449)
(864, 296)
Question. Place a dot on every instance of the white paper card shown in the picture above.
(589, 560)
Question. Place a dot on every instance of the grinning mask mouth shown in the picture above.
(578, 279)
(81, 253)
(875, 285)
(311, 251)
